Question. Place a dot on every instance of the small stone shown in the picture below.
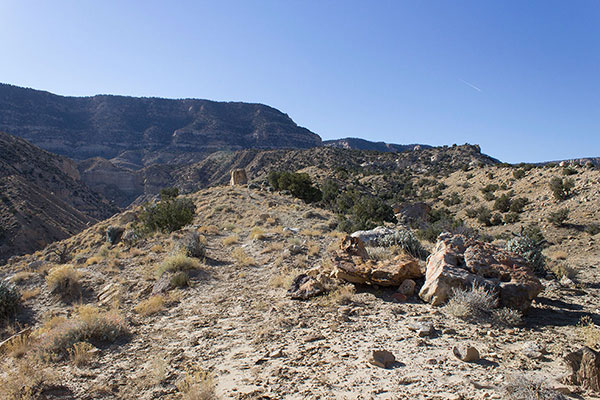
(407, 287)
(466, 353)
(313, 338)
(423, 329)
(382, 358)
(399, 297)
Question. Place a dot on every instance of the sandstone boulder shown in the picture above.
(352, 264)
(458, 262)
(585, 368)
(238, 177)
(373, 236)
(304, 287)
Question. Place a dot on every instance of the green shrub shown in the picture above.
(484, 216)
(530, 250)
(517, 205)
(9, 299)
(567, 171)
(169, 193)
(502, 203)
(561, 188)
(299, 185)
(454, 199)
(511, 218)
(407, 241)
(489, 196)
(330, 190)
(519, 173)
(169, 215)
(558, 218)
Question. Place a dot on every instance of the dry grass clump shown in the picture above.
(18, 346)
(152, 305)
(257, 233)
(588, 332)
(25, 378)
(339, 296)
(313, 248)
(93, 260)
(180, 279)
(241, 258)
(478, 304)
(89, 324)
(562, 270)
(197, 384)
(380, 253)
(285, 277)
(229, 240)
(64, 280)
(30, 293)
(176, 263)
(21, 276)
(209, 230)
(82, 353)
(559, 255)
(273, 247)
(519, 387)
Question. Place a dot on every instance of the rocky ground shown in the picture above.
(236, 330)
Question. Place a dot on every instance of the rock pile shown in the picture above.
(458, 262)
(352, 264)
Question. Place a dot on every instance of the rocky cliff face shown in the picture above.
(42, 198)
(137, 132)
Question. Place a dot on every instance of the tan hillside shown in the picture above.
(236, 333)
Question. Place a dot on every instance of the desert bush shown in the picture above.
(176, 263)
(490, 188)
(152, 305)
(484, 216)
(475, 303)
(241, 258)
(518, 204)
(588, 332)
(169, 215)
(530, 250)
(568, 171)
(63, 280)
(511, 218)
(507, 317)
(192, 245)
(454, 199)
(558, 218)
(197, 384)
(9, 299)
(300, 185)
(365, 212)
(502, 203)
(489, 196)
(407, 241)
(169, 193)
(180, 279)
(81, 353)
(561, 188)
(533, 232)
(89, 324)
(519, 387)
(518, 173)
(330, 190)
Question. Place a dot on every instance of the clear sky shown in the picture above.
(521, 78)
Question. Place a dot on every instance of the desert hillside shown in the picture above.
(43, 198)
(205, 312)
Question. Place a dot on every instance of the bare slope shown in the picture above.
(42, 198)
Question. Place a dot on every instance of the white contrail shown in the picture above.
(470, 84)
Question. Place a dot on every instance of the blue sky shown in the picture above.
(520, 78)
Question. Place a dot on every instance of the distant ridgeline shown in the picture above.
(136, 132)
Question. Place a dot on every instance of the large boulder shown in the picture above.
(585, 368)
(238, 177)
(374, 236)
(352, 264)
(458, 262)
